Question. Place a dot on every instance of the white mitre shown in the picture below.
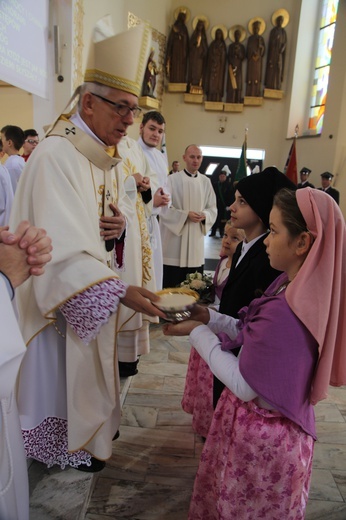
(120, 61)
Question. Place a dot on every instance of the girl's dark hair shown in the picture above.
(292, 217)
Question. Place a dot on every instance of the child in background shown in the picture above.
(198, 393)
(231, 238)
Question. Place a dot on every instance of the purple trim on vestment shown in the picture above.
(279, 355)
(88, 311)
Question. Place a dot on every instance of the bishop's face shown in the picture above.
(109, 116)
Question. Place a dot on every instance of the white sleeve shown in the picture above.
(224, 365)
(219, 322)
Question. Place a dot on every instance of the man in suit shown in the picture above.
(224, 197)
(304, 176)
(326, 179)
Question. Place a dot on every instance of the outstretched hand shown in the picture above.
(182, 328)
(141, 300)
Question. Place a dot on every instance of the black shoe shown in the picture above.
(212, 234)
(96, 465)
(128, 369)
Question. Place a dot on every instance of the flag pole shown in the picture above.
(290, 169)
(241, 170)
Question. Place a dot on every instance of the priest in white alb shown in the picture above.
(185, 223)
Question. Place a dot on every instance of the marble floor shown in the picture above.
(151, 473)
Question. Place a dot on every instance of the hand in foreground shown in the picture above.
(140, 300)
(24, 252)
(3, 228)
(113, 227)
(183, 328)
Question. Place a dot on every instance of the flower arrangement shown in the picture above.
(202, 284)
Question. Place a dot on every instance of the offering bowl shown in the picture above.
(177, 303)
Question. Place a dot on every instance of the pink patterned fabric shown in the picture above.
(88, 311)
(47, 443)
(255, 464)
(317, 294)
(198, 393)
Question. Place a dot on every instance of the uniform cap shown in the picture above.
(327, 175)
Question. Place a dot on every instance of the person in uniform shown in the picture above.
(304, 176)
(326, 180)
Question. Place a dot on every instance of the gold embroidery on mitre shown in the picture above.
(99, 76)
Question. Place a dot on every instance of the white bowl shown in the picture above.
(177, 303)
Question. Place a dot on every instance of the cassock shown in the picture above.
(15, 165)
(69, 391)
(14, 496)
(6, 196)
(182, 239)
(158, 164)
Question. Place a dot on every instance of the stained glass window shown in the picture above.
(322, 66)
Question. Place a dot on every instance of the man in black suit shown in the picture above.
(304, 176)
(326, 179)
(224, 197)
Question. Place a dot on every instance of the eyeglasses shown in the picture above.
(121, 110)
(31, 141)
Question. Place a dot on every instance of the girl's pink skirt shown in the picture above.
(255, 464)
(198, 393)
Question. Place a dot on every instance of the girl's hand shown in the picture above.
(180, 329)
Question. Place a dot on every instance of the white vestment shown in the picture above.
(69, 183)
(15, 165)
(14, 489)
(133, 327)
(182, 239)
(6, 196)
(158, 164)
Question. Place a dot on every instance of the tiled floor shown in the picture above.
(150, 475)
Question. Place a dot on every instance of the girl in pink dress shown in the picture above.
(257, 459)
(198, 392)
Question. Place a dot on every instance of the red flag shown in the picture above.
(291, 164)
